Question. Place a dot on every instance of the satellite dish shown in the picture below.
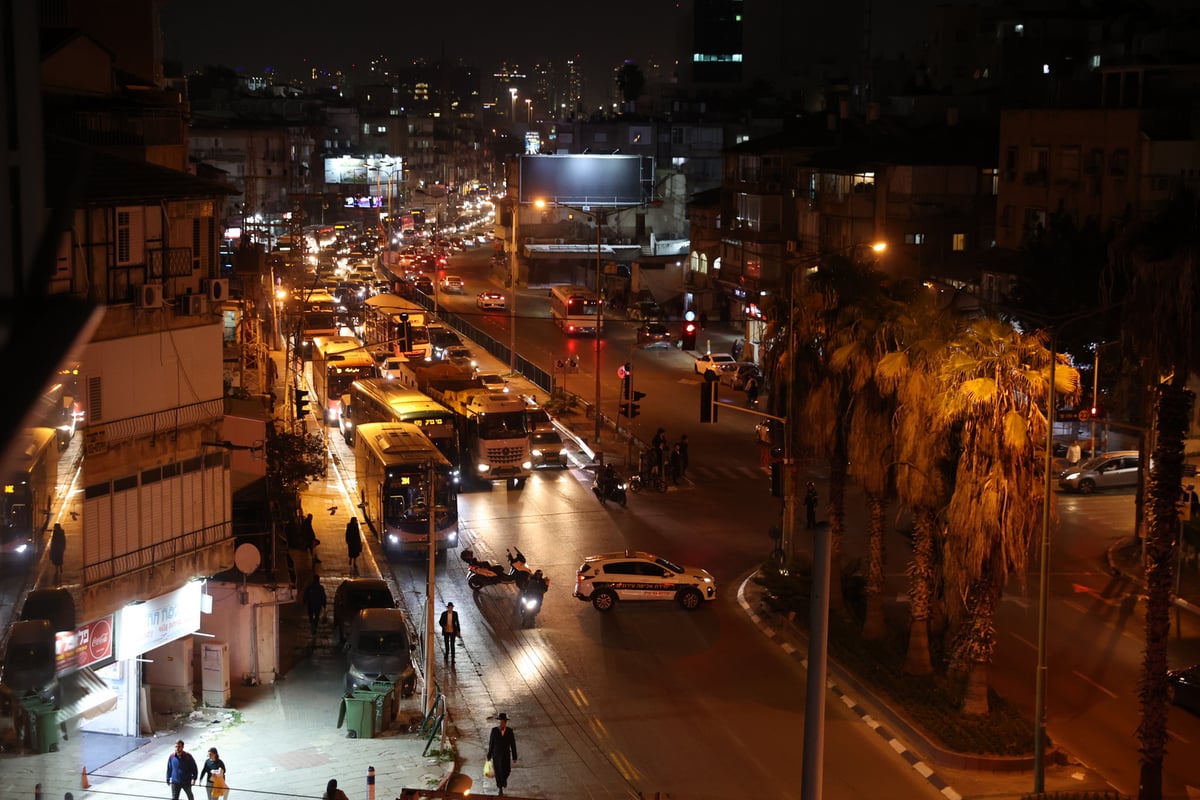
(246, 558)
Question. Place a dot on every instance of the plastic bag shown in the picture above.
(219, 788)
(488, 770)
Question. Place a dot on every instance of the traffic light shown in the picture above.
(631, 410)
(689, 335)
(300, 400)
(626, 373)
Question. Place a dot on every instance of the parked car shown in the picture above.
(379, 647)
(654, 334)
(547, 449)
(1183, 687)
(739, 374)
(714, 362)
(352, 596)
(1109, 471)
(605, 579)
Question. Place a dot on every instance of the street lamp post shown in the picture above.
(512, 90)
(514, 275)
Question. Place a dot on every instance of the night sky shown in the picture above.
(252, 35)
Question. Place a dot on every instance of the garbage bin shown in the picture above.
(358, 715)
(391, 700)
(41, 729)
(376, 702)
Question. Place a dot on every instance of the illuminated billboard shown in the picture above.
(587, 180)
(372, 170)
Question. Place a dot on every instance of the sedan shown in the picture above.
(1183, 688)
(490, 300)
(654, 334)
(740, 374)
(714, 363)
(452, 284)
(547, 449)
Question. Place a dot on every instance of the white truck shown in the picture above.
(491, 430)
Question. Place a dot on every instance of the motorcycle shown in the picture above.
(530, 601)
(609, 487)
(483, 573)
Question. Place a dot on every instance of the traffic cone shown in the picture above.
(83, 781)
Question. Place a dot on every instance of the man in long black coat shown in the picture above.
(502, 751)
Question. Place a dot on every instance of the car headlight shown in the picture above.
(1071, 476)
(393, 538)
(483, 468)
(536, 453)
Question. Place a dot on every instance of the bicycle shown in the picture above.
(655, 480)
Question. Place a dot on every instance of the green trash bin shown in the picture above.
(41, 729)
(391, 700)
(375, 702)
(358, 715)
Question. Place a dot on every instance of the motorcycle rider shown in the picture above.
(609, 480)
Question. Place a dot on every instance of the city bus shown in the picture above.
(28, 492)
(399, 323)
(395, 464)
(337, 362)
(574, 309)
(381, 400)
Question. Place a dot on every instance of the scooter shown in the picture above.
(530, 601)
(615, 490)
(484, 573)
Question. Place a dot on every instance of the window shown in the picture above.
(914, 238)
(958, 241)
(1068, 164)
(991, 178)
(130, 242)
(1118, 167)
(1010, 163)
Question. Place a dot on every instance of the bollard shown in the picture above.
(370, 783)
(37, 791)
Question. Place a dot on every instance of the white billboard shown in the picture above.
(368, 170)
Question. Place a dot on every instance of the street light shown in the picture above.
(529, 110)
(512, 90)
(514, 275)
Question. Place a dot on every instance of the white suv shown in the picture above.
(633, 575)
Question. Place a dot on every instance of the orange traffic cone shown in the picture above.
(83, 781)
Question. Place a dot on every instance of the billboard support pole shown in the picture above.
(599, 322)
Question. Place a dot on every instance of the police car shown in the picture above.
(632, 575)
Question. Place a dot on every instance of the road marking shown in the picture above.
(1024, 641)
(1086, 679)
(598, 728)
(579, 697)
(1071, 604)
(1175, 735)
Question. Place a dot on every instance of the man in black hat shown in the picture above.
(450, 631)
(502, 751)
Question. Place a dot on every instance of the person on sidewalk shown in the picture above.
(58, 549)
(314, 601)
(1074, 453)
(214, 771)
(752, 392)
(181, 771)
(450, 631)
(309, 537)
(683, 455)
(332, 792)
(353, 544)
(502, 746)
(810, 506)
(675, 462)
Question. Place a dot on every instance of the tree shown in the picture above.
(992, 382)
(1156, 267)
(631, 82)
(294, 459)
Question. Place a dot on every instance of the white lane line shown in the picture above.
(1086, 679)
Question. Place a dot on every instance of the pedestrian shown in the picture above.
(502, 745)
(660, 438)
(314, 601)
(735, 350)
(214, 770)
(309, 537)
(332, 792)
(353, 544)
(1074, 454)
(451, 631)
(654, 460)
(752, 392)
(181, 771)
(810, 506)
(676, 464)
(683, 454)
(58, 549)
(703, 320)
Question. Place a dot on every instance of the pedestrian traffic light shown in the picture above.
(300, 399)
(626, 373)
(689, 335)
(630, 410)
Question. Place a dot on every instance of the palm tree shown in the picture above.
(631, 82)
(1160, 264)
(922, 452)
(993, 380)
(828, 316)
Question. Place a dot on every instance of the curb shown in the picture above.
(774, 627)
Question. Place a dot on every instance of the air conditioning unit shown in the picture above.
(150, 295)
(193, 305)
(218, 289)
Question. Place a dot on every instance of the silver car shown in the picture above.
(1108, 471)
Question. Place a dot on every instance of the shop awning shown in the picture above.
(84, 694)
